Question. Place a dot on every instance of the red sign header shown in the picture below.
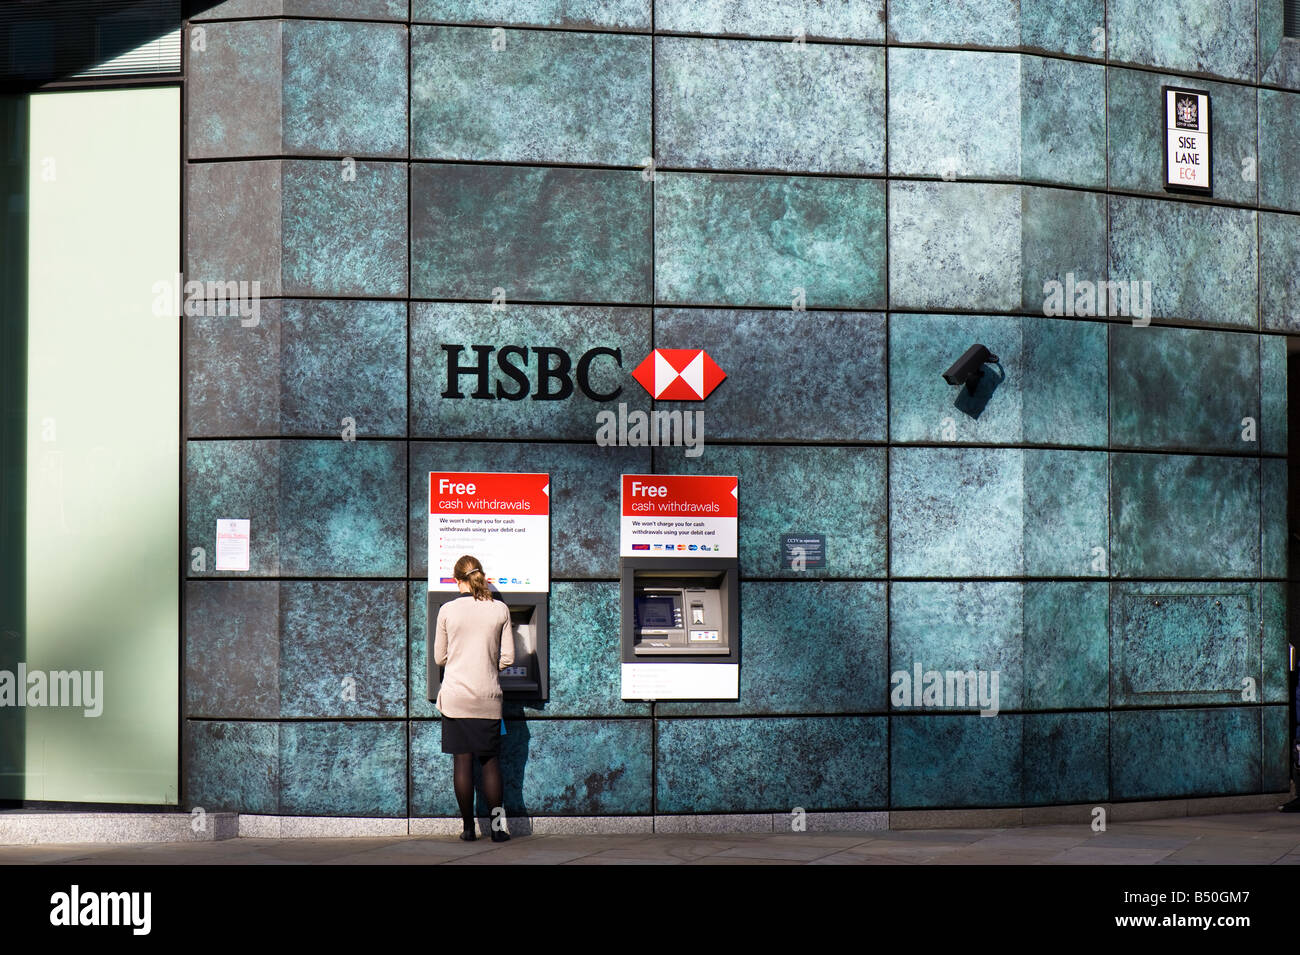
(679, 495)
(489, 492)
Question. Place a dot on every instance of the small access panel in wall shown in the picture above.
(1184, 648)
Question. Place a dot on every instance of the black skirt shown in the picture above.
(468, 735)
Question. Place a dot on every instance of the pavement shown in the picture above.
(1254, 838)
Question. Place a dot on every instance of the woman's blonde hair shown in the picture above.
(470, 570)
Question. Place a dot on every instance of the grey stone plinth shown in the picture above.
(32, 827)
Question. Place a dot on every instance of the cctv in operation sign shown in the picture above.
(1187, 140)
(501, 518)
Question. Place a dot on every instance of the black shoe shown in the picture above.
(500, 835)
(1292, 806)
(468, 835)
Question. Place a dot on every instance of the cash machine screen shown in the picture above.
(657, 613)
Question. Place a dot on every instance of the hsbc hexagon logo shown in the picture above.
(670, 374)
(679, 374)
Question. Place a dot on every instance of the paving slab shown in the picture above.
(1100, 855)
(1249, 838)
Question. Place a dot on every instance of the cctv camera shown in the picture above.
(969, 368)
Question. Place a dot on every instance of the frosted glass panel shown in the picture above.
(103, 426)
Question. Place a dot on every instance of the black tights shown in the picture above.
(464, 782)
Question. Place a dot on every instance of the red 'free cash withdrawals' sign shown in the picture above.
(682, 515)
(502, 518)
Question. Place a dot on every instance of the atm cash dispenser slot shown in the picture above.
(526, 678)
(523, 677)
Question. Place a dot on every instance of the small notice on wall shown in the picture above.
(1187, 140)
(803, 551)
(232, 544)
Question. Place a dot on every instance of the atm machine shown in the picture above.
(527, 678)
(679, 580)
(503, 519)
(679, 607)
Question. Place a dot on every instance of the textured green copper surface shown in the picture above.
(759, 240)
(535, 234)
(1102, 521)
(1162, 754)
(1192, 36)
(742, 105)
(529, 96)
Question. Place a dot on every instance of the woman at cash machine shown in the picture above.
(474, 643)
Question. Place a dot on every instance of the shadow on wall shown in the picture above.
(47, 40)
(514, 764)
(1293, 549)
(973, 403)
(14, 161)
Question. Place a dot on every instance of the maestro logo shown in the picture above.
(679, 374)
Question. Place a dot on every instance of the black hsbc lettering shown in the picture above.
(546, 373)
(584, 372)
(556, 374)
(455, 369)
(516, 373)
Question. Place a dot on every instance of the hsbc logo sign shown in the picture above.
(679, 374)
(516, 372)
(518, 367)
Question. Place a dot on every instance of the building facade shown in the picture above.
(835, 200)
